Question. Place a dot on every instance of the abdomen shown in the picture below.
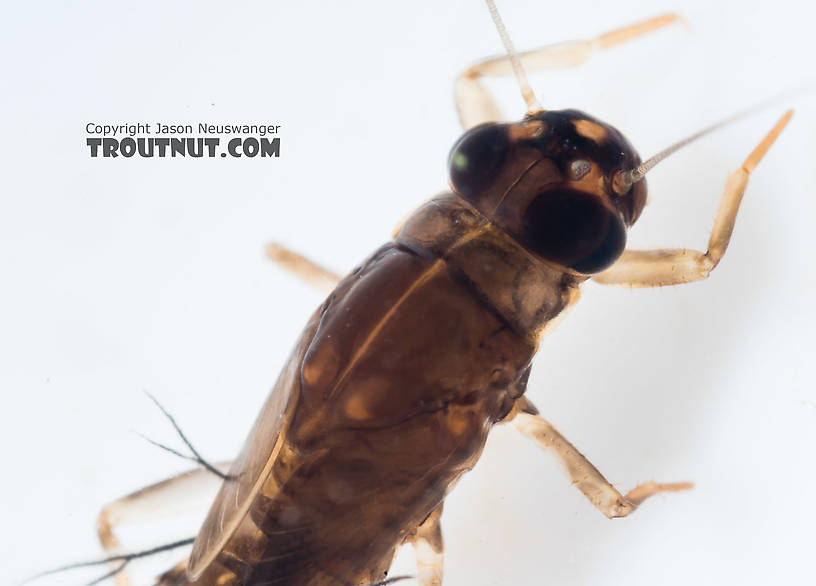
(412, 360)
(405, 375)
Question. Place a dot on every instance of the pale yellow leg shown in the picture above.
(429, 548)
(583, 474)
(191, 491)
(672, 266)
(474, 102)
(312, 273)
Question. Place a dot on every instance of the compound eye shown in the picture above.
(477, 155)
(574, 229)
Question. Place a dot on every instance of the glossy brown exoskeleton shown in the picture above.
(397, 379)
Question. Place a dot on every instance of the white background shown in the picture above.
(126, 275)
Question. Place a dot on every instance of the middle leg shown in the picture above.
(583, 474)
(309, 271)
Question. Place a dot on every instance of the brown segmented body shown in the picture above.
(397, 379)
(387, 399)
(390, 394)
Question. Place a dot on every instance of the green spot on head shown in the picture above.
(460, 162)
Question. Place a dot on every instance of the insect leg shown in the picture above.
(673, 266)
(312, 273)
(581, 471)
(474, 102)
(187, 492)
(429, 548)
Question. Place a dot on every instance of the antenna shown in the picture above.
(533, 106)
(624, 180)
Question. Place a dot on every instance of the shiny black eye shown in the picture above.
(474, 159)
(574, 229)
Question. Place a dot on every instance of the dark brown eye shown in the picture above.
(474, 159)
(574, 229)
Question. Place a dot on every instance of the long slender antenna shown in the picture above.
(533, 106)
(628, 178)
(646, 166)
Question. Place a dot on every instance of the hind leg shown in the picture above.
(429, 548)
(186, 493)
